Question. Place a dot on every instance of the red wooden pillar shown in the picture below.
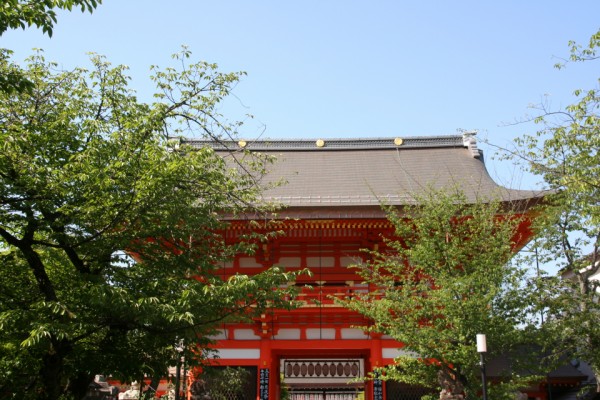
(376, 361)
(266, 375)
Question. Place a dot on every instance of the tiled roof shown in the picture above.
(335, 144)
(368, 172)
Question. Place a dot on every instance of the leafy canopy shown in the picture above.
(443, 279)
(16, 14)
(40, 13)
(109, 230)
(564, 152)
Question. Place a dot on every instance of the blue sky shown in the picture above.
(347, 69)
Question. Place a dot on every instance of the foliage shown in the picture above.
(109, 231)
(226, 383)
(442, 280)
(16, 14)
(565, 154)
(284, 392)
(40, 13)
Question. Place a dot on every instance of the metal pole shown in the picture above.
(481, 349)
(483, 377)
(178, 376)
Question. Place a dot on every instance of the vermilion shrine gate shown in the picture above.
(333, 198)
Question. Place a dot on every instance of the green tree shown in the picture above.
(565, 154)
(26, 13)
(224, 383)
(442, 280)
(40, 13)
(109, 230)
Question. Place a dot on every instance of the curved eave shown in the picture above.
(374, 177)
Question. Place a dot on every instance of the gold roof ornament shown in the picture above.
(320, 143)
(242, 143)
(398, 141)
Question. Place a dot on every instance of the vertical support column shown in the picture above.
(266, 379)
(376, 361)
(376, 355)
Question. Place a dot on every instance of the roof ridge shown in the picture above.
(332, 143)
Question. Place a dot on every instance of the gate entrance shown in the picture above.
(325, 394)
(323, 379)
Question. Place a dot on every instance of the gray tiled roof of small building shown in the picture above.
(368, 172)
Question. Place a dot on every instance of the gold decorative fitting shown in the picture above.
(242, 143)
(398, 141)
(320, 143)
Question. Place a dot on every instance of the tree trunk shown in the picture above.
(51, 373)
(79, 385)
(452, 387)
